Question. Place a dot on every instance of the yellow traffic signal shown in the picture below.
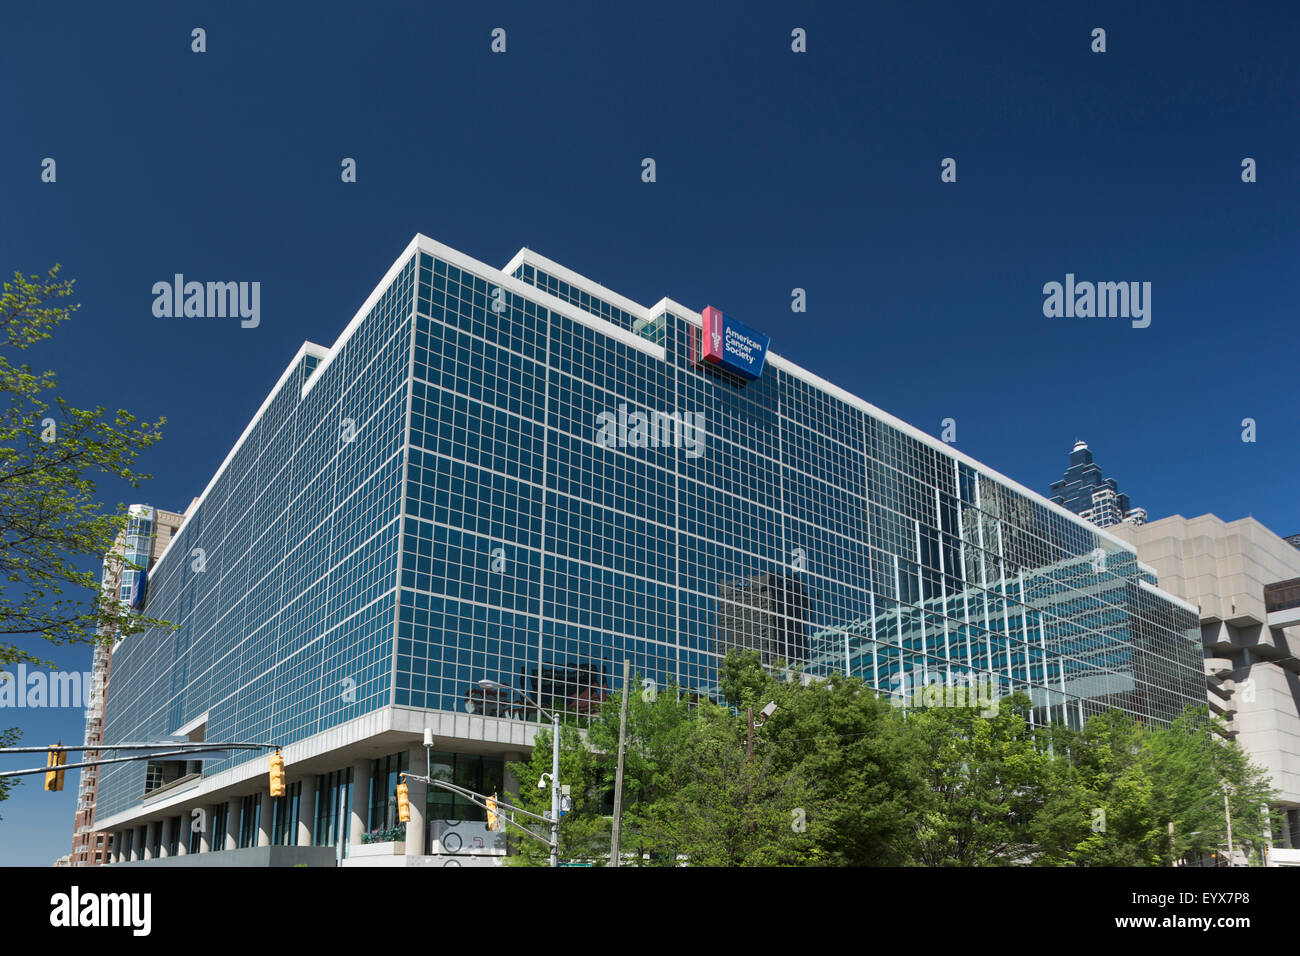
(55, 758)
(403, 803)
(494, 819)
(277, 774)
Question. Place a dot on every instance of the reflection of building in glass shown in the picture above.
(579, 689)
(1084, 491)
(429, 503)
(1073, 636)
(767, 613)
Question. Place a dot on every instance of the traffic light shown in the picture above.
(403, 803)
(277, 774)
(55, 758)
(494, 820)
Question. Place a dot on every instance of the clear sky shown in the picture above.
(775, 170)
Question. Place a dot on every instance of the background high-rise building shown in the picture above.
(488, 476)
(147, 533)
(1090, 495)
(1246, 582)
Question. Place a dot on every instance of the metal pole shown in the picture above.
(1227, 813)
(618, 777)
(749, 788)
(750, 711)
(555, 788)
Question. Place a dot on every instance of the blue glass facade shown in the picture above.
(433, 501)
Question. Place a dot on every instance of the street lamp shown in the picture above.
(555, 765)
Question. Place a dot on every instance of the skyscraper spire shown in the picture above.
(1090, 495)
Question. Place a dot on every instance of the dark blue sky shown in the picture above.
(775, 170)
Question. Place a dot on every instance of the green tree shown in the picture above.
(983, 778)
(852, 747)
(726, 808)
(1100, 808)
(1111, 799)
(8, 738)
(50, 457)
(1192, 764)
(658, 730)
(584, 830)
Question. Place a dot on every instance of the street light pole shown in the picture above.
(555, 764)
(555, 789)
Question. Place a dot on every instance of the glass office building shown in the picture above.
(521, 476)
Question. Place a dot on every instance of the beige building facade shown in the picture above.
(148, 532)
(1241, 576)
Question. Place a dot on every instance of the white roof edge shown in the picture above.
(369, 304)
(521, 288)
(666, 304)
(554, 268)
(326, 355)
(307, 348)
(191, 726)
(322, 353)
(423, 243)
(1174, 598)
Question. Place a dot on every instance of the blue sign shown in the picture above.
(733, 345)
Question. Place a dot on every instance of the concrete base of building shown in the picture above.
(252, 856)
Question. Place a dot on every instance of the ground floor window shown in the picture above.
(250, 817)
(482, 774)
(332, 806)
(383, 791)
(220, 814)
(284, 815)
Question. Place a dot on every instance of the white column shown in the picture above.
(150, 831)
(307, 810)
(165, 838)
(415, 792)
(359, 807)
(232, 822)
(264, 820)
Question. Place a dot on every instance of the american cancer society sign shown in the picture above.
(733, 345)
